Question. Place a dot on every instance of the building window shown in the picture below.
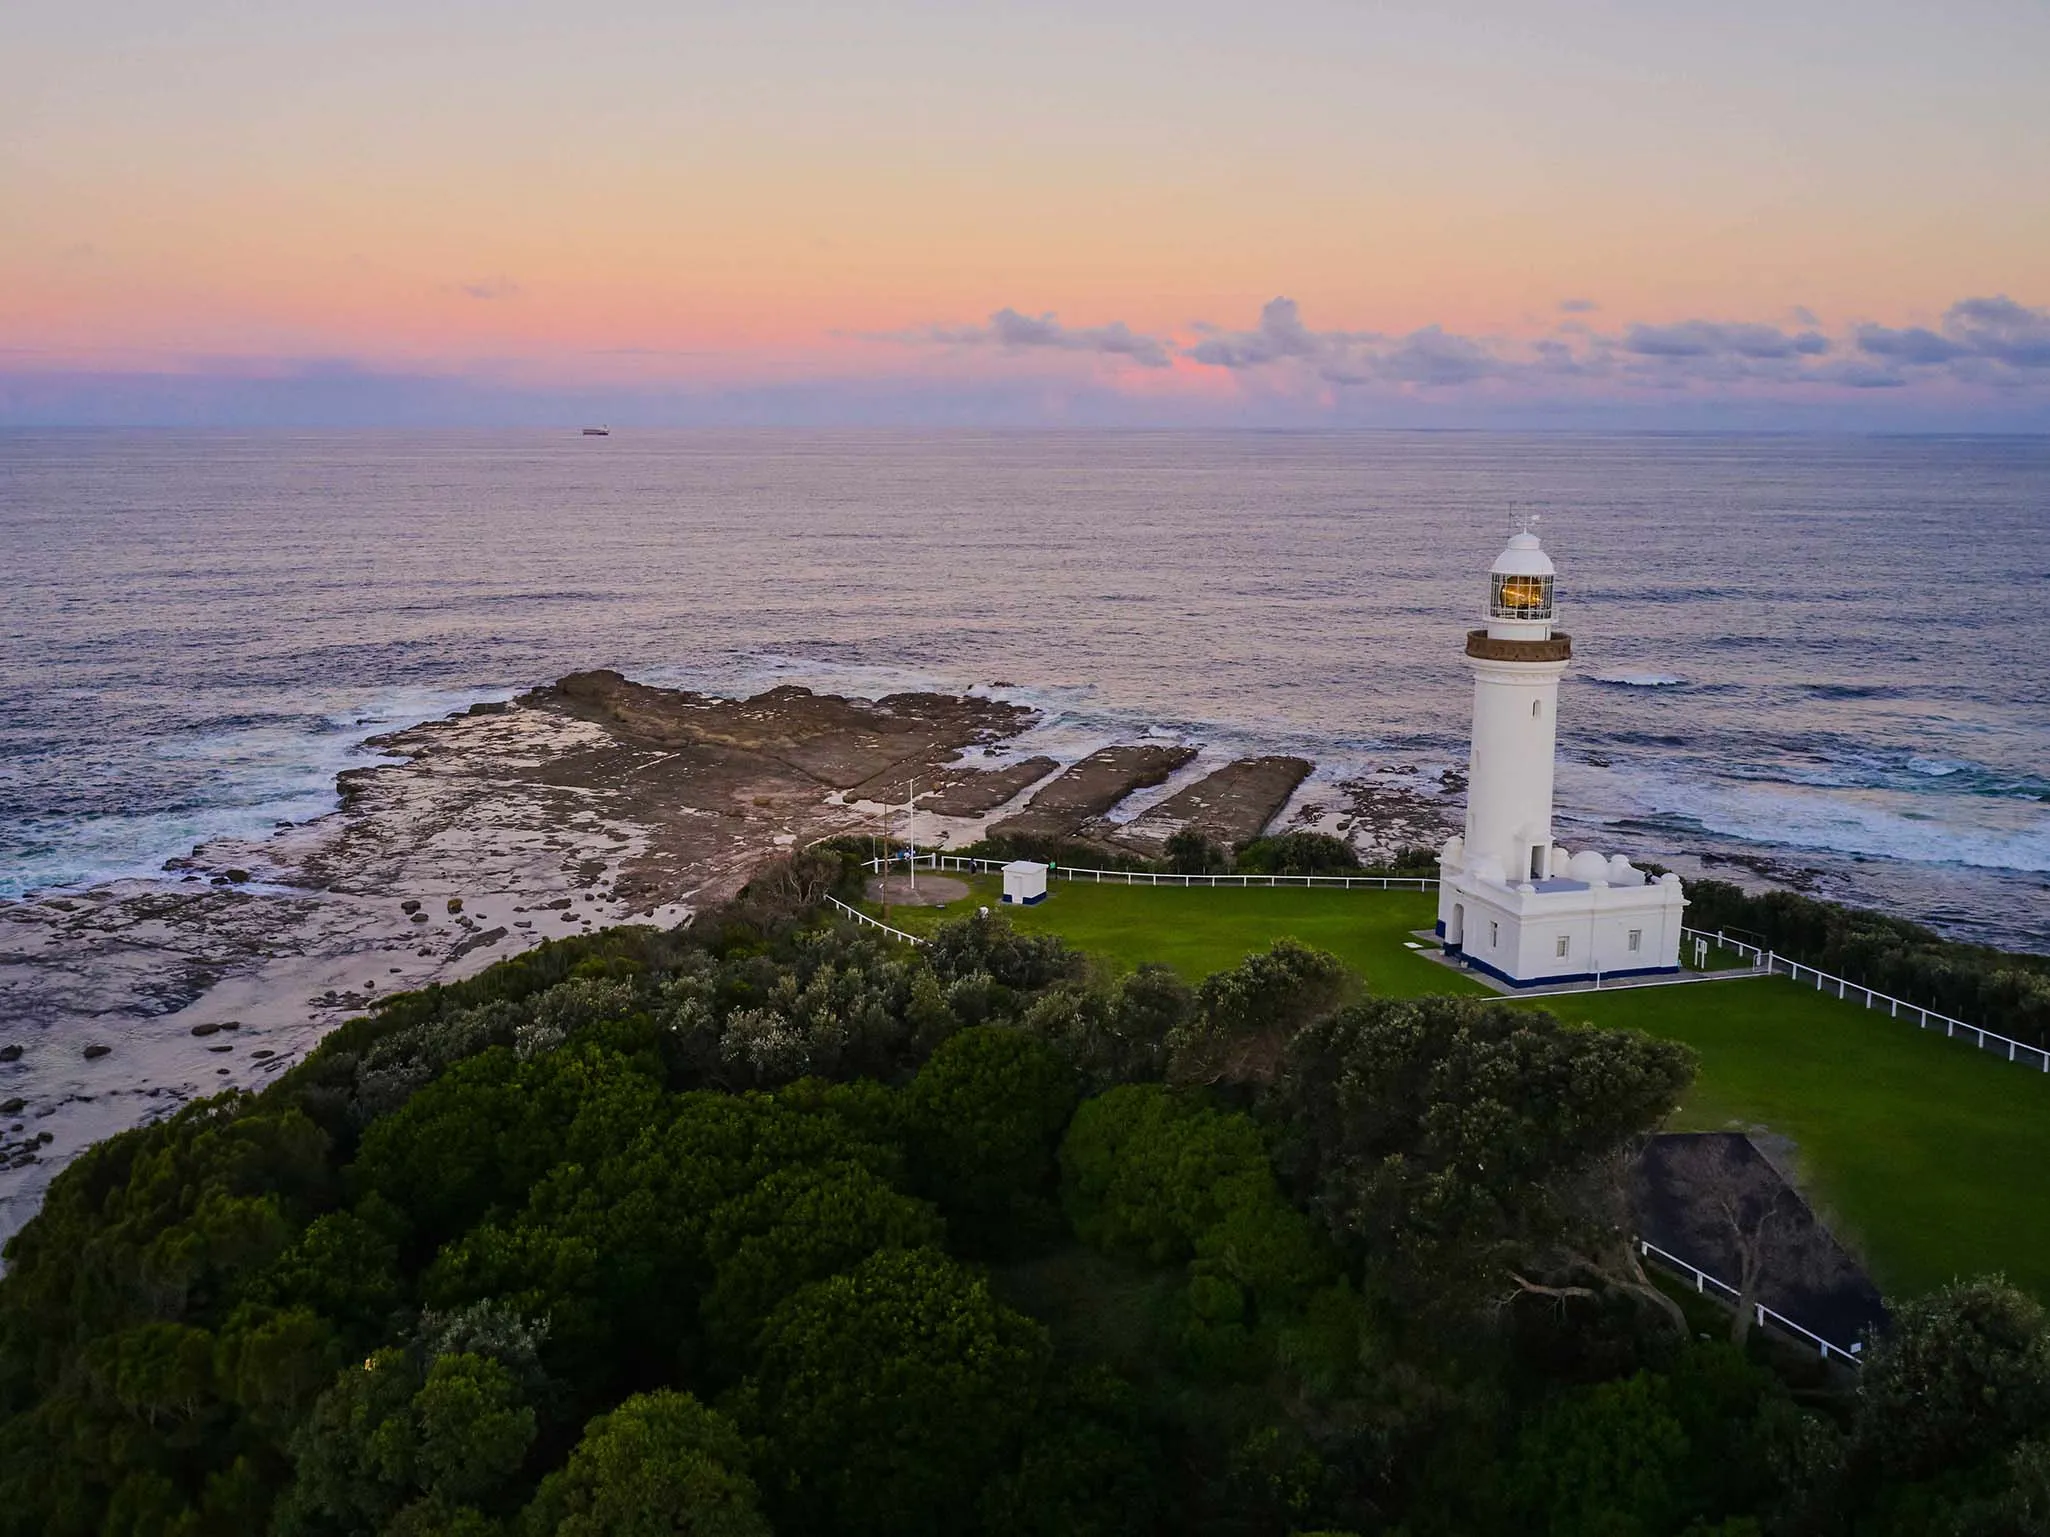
(1564, 944)
(1494, 935)
(1536, 706)
(1637, 939)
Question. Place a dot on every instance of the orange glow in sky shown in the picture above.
(762, 191)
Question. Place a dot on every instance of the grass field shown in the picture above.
(1925, 1155)
(1199, 930)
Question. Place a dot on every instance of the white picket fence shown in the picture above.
(1704, 1283)
(1169, 878)
(1767, 962)
(875, 923)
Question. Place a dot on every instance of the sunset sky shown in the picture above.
(1306, 211)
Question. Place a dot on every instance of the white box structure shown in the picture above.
(1510, 901)
(1024, 882)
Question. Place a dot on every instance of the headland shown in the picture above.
(591, 801)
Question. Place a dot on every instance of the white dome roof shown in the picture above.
(1588, 865)
(1523, 556)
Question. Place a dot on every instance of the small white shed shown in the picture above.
(1025, 881)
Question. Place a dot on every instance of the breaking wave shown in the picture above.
(1638, 679)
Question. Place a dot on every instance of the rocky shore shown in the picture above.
(591, 801)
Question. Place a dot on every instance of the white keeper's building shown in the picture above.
(1511, 902)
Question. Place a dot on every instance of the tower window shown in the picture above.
(1494, 935)
(1537, 707)
(1520, 597)
(1637, 939)
(1564, 944)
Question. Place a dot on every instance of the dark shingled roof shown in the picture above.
(1817, 1283)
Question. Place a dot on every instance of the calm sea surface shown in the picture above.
(1833, 652)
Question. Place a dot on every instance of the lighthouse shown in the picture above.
(1511, 901)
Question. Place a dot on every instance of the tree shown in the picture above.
(982, 1119)
(614, 1250)
(344, 1267)
(986, 944)
(1456, 1145)
(796, 1227)
(1149, 1172)
(1088, 1468)
(1605, 1461)
(1963, 1377)
(1189, 852)
(660, 1465)
(776, 898)
(389, 1434)
(1245, 1016)
(1119, 1034)
(480, 1136)
(1158, 1175)
(891, 1396)
(1298, 853)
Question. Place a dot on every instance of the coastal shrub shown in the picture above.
(1245, 1017)
(985, 944)
(797, 1226)
(1116, 1033)
(1190, 853)
(1298, 853)
(1059, 851)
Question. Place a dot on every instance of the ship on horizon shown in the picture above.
(597, 432)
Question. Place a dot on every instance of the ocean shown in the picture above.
(1820, 654)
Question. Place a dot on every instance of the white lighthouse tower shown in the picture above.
(1510, 901)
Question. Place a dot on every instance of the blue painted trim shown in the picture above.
(1028, 902)
(1441, 928)
(1583, 976)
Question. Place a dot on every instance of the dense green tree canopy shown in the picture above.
(890, 1390)
(1451, 1141)
(660, 1465)
(770, 1225)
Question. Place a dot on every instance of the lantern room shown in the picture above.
(1520, 591)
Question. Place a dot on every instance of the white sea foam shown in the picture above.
(252, 777)
(1981, 832)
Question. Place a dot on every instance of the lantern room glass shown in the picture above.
(1520, 597)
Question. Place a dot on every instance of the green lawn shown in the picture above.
(1198, 930)
(1925, 1155)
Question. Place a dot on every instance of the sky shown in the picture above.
(1826, 213)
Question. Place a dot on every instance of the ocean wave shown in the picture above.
(1979, 832)
(1638, 679)
(230, 774)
